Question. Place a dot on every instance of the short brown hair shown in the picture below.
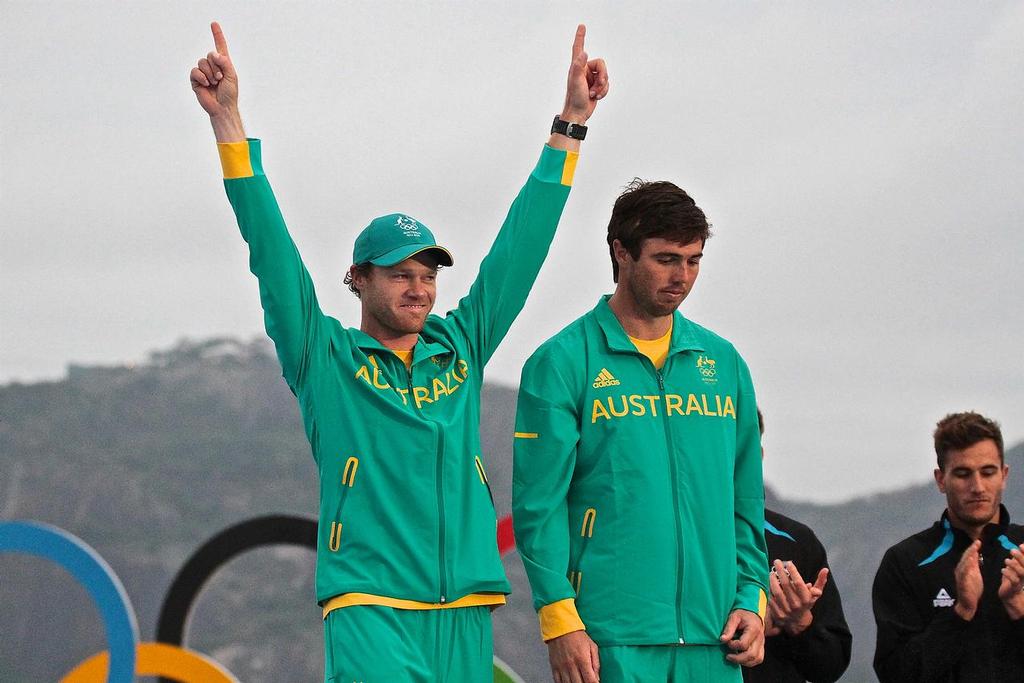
(958, 431)
(648, 209)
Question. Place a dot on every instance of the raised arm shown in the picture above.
(291, 314)
(215, 83)
(511, 266)
(587, 83)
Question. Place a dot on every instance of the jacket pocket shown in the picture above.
(576, 564)
(348, 479)
(483, 478)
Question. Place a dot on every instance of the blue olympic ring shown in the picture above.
(86, 565)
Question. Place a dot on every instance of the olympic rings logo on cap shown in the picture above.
(126, 657)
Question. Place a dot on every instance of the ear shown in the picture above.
(940, 480)
(621, 253)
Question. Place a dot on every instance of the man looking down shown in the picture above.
(637, 494)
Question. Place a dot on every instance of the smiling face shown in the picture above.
(973, 480)
(662, 275)
(397, 299)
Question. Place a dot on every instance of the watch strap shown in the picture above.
(577, 131)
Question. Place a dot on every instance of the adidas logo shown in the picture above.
(605, 379)
(942, 599)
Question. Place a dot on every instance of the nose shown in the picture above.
(682, 273)
(417, 288)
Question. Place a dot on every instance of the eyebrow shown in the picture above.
(396, 269)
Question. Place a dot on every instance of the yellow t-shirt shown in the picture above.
(655, 349)
(405, 357)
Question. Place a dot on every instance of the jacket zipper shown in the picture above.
(675, 502)
(439, 487)
(440, 513)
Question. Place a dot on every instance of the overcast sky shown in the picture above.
(862, 167)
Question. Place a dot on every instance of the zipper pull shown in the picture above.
(661, 380)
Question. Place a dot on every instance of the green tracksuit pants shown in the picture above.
(667, 664)
(376, 644)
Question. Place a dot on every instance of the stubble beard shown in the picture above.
(408, 323)
(649, 303)
(971, 516)
(396, 321)
(989, 517)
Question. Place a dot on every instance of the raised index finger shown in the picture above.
(219, 41)
(577, 43)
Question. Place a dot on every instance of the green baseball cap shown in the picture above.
(391, 239)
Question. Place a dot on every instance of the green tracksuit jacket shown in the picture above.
(405, 508)
(638, 492)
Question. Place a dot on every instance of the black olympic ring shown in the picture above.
(172, 623)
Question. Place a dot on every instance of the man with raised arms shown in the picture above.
(949, 601)
(407, 561)
(637, 499)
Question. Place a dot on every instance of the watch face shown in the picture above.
(577, 131)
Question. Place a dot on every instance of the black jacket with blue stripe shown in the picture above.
(920, 637)
(822, 652)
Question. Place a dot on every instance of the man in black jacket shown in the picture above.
(948, 601)
(807, 636)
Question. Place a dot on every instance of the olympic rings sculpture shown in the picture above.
(126, 657)
(157, 659)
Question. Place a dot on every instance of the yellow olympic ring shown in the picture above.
(156, 659)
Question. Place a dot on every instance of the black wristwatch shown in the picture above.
(573, 130)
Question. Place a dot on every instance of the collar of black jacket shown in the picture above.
(991, 531)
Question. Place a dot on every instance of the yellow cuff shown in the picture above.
(762, 605)
(569, 168)
(559, 618)
(234, 159)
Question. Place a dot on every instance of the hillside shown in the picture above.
(147, 462)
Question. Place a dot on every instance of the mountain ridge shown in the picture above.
(146, 462)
